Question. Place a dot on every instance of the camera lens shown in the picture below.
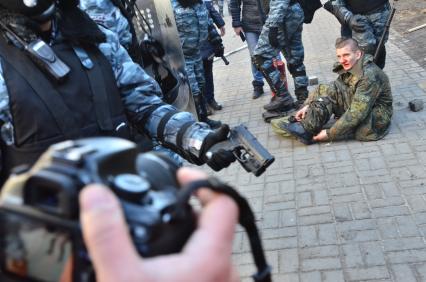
(130, 187)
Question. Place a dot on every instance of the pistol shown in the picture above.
(246, 148)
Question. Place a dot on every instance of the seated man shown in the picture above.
(360, 98)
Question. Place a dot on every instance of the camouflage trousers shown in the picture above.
(369, 39)
(290, 37)
(326, 100)
(195, 73)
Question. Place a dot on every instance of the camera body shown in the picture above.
(39, 211)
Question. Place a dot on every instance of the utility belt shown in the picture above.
(374, 10)
(378, 9)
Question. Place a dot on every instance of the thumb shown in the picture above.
(106, 235)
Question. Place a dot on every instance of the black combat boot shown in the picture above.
(213, 104)
(301, 95)
(296, 129)
(257, 91)
(282, 103)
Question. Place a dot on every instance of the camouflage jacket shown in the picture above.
(363, 89)
(278, 10)
(192, 24)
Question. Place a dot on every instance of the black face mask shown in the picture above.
(73, 24)
(37, 10)
(189, 3)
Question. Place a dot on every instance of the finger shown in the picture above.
(217, 205)
(217, 224)
(215, 233)
(106, 235)
(186, 175)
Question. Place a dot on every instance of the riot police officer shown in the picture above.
(212, 47)
(192, 22)
(64, 77)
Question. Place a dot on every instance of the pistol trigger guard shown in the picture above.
(239, 154)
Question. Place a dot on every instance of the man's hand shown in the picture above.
(222, 31)
(273, 37)
(115, 258)
(219, 50)
(222, 158)
(322, 136)
(301, 113)
(358, 23)
(238, 30)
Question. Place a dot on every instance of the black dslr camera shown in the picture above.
(39, 212)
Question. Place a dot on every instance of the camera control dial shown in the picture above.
(130, 187)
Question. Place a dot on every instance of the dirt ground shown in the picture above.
(410, 14)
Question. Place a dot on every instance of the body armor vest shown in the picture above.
(87, 103)
(364, 7)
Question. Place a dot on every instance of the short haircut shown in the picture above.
(344, 41)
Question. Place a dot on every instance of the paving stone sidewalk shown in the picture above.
(345, 211)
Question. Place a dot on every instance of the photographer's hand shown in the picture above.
(206, 256)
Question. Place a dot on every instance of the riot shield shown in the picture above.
(157, 17)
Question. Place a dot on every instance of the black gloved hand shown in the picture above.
(219, 51)
(221, 158)
(217, 43)
(152, 50)
(358, 23)
(273, 37)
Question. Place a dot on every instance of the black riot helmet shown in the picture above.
(38, 10)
